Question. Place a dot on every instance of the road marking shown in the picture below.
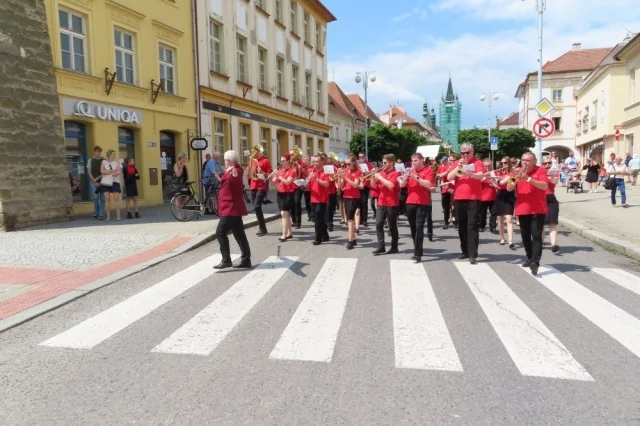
(611, 319)
(204, 332)
(620, 277)
(421, 337)
(312, 332)
(99, 328)
(532, 346)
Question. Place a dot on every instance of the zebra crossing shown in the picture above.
(421, 337)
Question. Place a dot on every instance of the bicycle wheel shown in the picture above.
(178, 212)
(212, 203)
(247, 201)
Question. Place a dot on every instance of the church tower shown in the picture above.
(450, 111)
(428, 116)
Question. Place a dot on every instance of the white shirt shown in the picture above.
(113, 165)
(617, 170)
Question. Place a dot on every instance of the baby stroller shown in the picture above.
(574, 183)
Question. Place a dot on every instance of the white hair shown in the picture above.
(231, 156)
(215, 154)
(182, 155)
(467, 145)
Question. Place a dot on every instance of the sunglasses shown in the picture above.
(465, 152)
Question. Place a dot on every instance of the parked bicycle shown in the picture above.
(186, 206)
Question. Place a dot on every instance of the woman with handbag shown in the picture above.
(110, 183)
(131, 177)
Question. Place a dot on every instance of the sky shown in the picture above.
(486, 45)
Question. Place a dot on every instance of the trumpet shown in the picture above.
(296, 154)
(461, 164)
(371, 173)
(337, 175)
(273, 173)
(405, 174)
(514, 179)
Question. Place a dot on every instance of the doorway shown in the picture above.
(283, 142)
(167, 160)
(75, 141)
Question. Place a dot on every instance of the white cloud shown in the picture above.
(415, 12)
(498, 61)
(401, 17)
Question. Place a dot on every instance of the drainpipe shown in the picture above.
(196, 58)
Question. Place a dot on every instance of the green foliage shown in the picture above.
(511, 142)
(384, 140)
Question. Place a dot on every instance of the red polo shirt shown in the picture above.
(488, 191)
(529, 199)
(319, 194)
(349, 191)
(388, 197)
(286, 174)
(443, 188)
(266, 169)
(468, 188)
(416, 193)
(552, 186)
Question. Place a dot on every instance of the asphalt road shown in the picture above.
(297, 341)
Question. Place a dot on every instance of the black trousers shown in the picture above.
(416, 216)
(487, 207)
(531, 229)
(429, 219)
(296, 215)
(307, 204)
(319, 211)
(467, 220)
(232, 224)
(364, 205)
(331, 209)
(257, 199)
(446, 206)
(374, 200)
(390, 214)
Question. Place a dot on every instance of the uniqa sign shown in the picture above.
(103, 112)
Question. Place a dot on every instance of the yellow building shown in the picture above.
(126, 81)
(630, 99)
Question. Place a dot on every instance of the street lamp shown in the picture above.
(541, 6)
(365, 78)
(487, 97)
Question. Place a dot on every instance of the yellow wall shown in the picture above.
(152, 23)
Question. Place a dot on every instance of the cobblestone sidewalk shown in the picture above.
(42, 263)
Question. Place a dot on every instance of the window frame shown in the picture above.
(295, 76)
(280, 67)
(69, 32)
(307, 89)
(219, 135)
(244, 146)
(553, 95)
(319, 94)
(294, 16)
(212, 40)
(125, 51)
(166, 65)
(263, 63)
(241, 73)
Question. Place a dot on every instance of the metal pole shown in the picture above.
(490, 94)
(366, 117)
(540, 5)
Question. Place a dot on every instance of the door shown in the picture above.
(167, 161)
(76, 150)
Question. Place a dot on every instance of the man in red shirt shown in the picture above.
(319, 188)
(332, 200)
(283, 180)
(364, 192)
(446, 190)
(386, 182)
(231, 208)
(350, 184)
(489, 193)
(466, 200)
(531, 185)
(418, 183)
(262, 169)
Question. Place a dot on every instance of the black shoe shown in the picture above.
(325, 239)
(473, 260)
(416, 259)
(137, 215)
(526, 263)
(316, 242)
(244, 264)
(430, 236)
(261, 233)
(445, 226)
(512, 246)
(534, 268)
(351, 245)
(555, 248)
(463, 256)
(330, 228)
(129, 216)
(379, 250)
(223, 265)
(393, 250)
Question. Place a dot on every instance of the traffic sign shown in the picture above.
(544, 127)
(544, 107)
(617, 134)
(494, 143)
(199, 144)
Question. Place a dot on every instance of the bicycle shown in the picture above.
(185, 205)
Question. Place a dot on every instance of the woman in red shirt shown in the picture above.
(284, 178)
(553, 207)
(505, 202)
(350, 184)
(488, 200)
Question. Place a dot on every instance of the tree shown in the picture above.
(511, 142)
(385, 140)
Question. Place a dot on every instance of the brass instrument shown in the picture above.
(252, 172)
(371, 173)
(514, 179)
(461, 164)
(405, 174)
(296, 154)
(337, 175)
(333, 157)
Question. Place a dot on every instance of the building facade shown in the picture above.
(630, 127)
(125, 73)
(263, 75)
(599, 110)
(344, 120)
(35, 186)
(559, 79)
(450, 118)
(512, 121)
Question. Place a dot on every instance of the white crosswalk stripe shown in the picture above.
(620, 277)
(204, 332)
(608, 317)
(421, 337)
(95, 330)
(532, 346)
(312, 332)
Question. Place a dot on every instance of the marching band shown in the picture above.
(470, 190)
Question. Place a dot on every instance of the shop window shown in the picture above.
(126, 144)
(76, 151)
(321, 145)
(167, 161)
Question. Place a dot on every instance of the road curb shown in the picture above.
(608, 242)
(76, 293)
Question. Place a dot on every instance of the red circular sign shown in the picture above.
(618, 134)
(544, 127)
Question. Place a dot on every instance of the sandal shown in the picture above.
(502, 242)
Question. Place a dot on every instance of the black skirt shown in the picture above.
(285, 201)
(553, 210)
(505, 202)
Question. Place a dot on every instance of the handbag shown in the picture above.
(107, 180)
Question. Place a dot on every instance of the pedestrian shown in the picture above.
(467, 173)
(553, 207)
(131, 177)
(231, 209)
(386, 182)
(318, 185)
(283, 181)
(530, 185)
(349, 184)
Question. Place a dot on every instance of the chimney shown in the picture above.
(577, 46)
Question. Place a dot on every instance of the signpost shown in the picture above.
(617, 135)
(494, 143)
(199, 144)
(543, 128)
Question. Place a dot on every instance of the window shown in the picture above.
(309, 147)
(307, 27)
(241, 49)
(294, 82)
(72, 41)
(264, 139)
(348, 138)
(262, 69)
(244, 142)
(125, 57)
(278, 7)
(167, 69)
(594, 115)
(557, 121)
(215, 47)
(557, 95)
(632, 86)
(318, 32)
(219, 135)
(294, 16)
(307, 90)
(319, 94)
(261, 4)
(280, 77)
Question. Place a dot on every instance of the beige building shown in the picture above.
(344, 120)
(630, 98)
(263, 75)
(600, 110)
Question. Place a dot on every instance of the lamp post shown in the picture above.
(488, 97)
(365, 78)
